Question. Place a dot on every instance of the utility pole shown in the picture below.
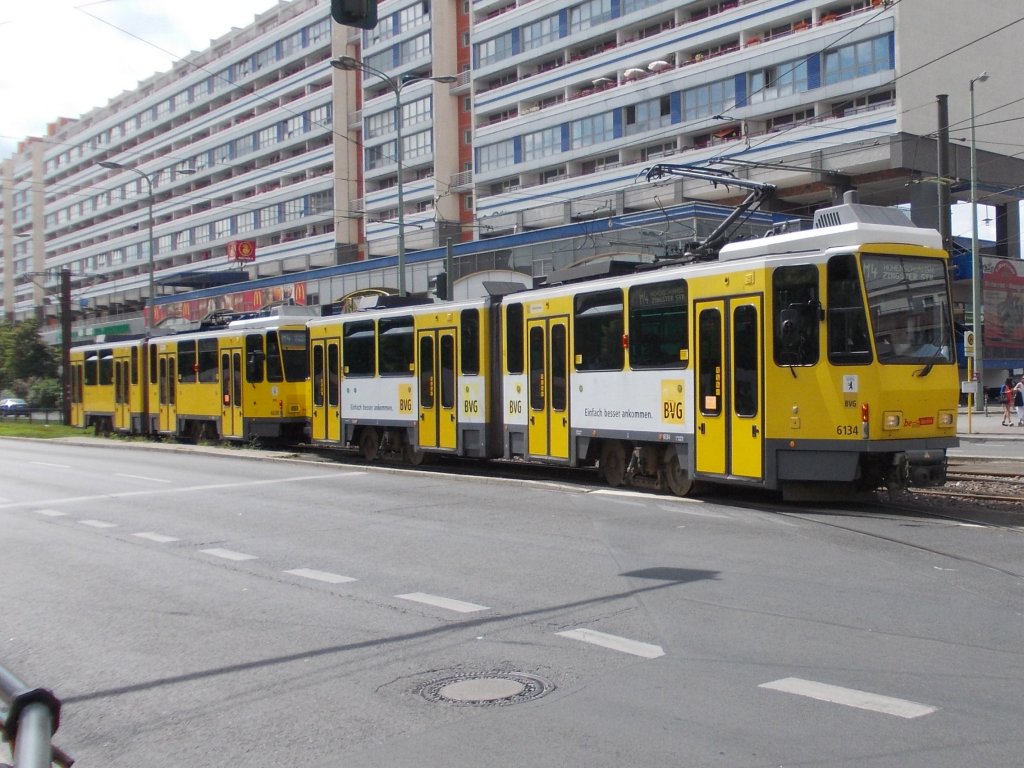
(65, 344)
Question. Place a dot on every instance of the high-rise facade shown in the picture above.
(556, 108)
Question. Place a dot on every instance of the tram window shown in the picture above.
(318, 376)
(470, 341)
(92, 362)
(152, 363)
(745, 333)
(426, 372)
(106, 366)
(187, 361)
(255, 358)
(537, 399)
(135, 365)
(709, 384)
(294, 355)
(207, 361)
(358, 349)
(796, 315)
(908, 302)
(332, 374)
(395, 346)
(514, 338)
(447, 371)
(598, 328)
(848, 339)
(275, 365)
(559, 365)
(236, 379)
(658, 333)
(170, 381)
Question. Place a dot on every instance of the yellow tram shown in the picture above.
(808, 362)
(238, 379)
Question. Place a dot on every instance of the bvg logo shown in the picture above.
(672, 401)
(405, 398)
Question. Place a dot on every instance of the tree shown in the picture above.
(24, 356)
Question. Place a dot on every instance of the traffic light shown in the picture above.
(355, 13)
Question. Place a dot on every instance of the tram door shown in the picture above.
(547, 351)
(730, 422)
(167, 386)
(231, 392)
(122, 392)
(326, 401)
(436, 380)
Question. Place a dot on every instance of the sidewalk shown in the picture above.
(983, 425)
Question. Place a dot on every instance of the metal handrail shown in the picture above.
(28, 721)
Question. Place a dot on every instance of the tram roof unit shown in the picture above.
(842, 226)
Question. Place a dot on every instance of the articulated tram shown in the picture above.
(820, 360)
(814, 362)
(234, 381)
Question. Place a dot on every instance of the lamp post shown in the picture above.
(348, 63)
(114, 166)
(977, 276)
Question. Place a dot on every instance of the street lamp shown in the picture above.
(977, 276)
(115, 166)
(348, 63)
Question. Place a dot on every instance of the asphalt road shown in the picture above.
(211, 609)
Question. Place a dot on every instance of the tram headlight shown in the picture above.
(947, 418)
(891, 420)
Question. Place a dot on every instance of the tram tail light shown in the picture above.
(865, 418)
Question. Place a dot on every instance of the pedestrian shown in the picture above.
(1018, 401)
(1006, 397)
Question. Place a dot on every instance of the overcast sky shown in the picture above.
(61, 58)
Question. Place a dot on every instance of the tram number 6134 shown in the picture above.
(845, 430)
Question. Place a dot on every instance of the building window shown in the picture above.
(540, 32)
(380, 124)
(857, 60)
(380, 155)
(494, 156)
(779, 80)
(591, 130)
(417, 48)
(418, 145)
(495, 49)
(707, 100)
(589, 14)
(416, 111)
(542, 143)
(648, 115)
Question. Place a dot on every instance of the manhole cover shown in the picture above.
(486, 689)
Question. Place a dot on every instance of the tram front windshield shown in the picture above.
(908, 303)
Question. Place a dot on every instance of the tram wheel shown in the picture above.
(413, 455)
(677, 479)
(613, 463)
(368, 443)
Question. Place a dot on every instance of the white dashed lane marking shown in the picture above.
(615, 643)
(850, 697)
(330, 578)
(159, 538)
(228, 554)
(97, 523)
(48, 464)
(143, 477)
(50, 513)
(443, 602)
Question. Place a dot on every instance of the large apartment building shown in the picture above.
(556, 108)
